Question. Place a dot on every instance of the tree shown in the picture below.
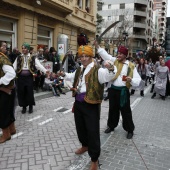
(99, 17)
(126, 24)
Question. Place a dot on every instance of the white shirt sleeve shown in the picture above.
(15, 64)
(104, 55)
(105, 76)
(39, 66)
(136, 78)
(69, 76)
(9, 75)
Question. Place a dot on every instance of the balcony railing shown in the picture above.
(138, 35)
(140, 13)
(61, 5)
(139, 25)
(144, 2)
(64, 1)
(84, 14)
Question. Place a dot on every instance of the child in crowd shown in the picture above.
(56, 85)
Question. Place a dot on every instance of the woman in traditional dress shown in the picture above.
(161, 77)
(142, 70)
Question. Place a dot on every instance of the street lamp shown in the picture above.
(125, 36)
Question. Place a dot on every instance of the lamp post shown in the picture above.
(125, 36)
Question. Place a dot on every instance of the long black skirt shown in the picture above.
(7, 109)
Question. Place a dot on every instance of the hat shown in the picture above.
(86, 49)
(123, 50)
(26, 45)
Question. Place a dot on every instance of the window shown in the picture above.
(109, 18)
(87, 6)
(44, 38)
(79, 3)
(8, 32)
(109, 6)
(121, 18)
(122, 6)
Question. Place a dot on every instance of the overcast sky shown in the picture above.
(168, 9)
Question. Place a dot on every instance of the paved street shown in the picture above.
(47, 139)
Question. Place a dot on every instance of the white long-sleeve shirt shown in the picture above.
(118, 82)
(38, 65)
(9, 75)
(103, 76)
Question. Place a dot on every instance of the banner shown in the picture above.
(48, 65)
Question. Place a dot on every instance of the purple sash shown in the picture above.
(25, 73)
(80, 97)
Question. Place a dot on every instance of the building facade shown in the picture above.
(167, 37)
(40, 22)
(136, 18)
(160, 7)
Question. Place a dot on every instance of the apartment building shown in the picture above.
(136, 18)
(40, 22)
(160, 7)
(167, 37)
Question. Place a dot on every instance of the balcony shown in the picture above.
(162, 18)
(162, 27)
(162, 23)
(140, 13)
(163, 13)
(139, 36)
(59, 8)
(161, 38)
(163, 2)
(139, 25)
(163, 7)
(161, 33)
(143, 2)
(84, 14)
(61, 5)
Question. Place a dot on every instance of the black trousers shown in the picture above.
(25, 91)
(7, 109)
(87, 118)
(115, 109)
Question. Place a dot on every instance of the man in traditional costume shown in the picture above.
(7, 96)
(25, 66)
(119, 96)
(88, 85)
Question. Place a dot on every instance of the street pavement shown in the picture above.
(47, 139)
